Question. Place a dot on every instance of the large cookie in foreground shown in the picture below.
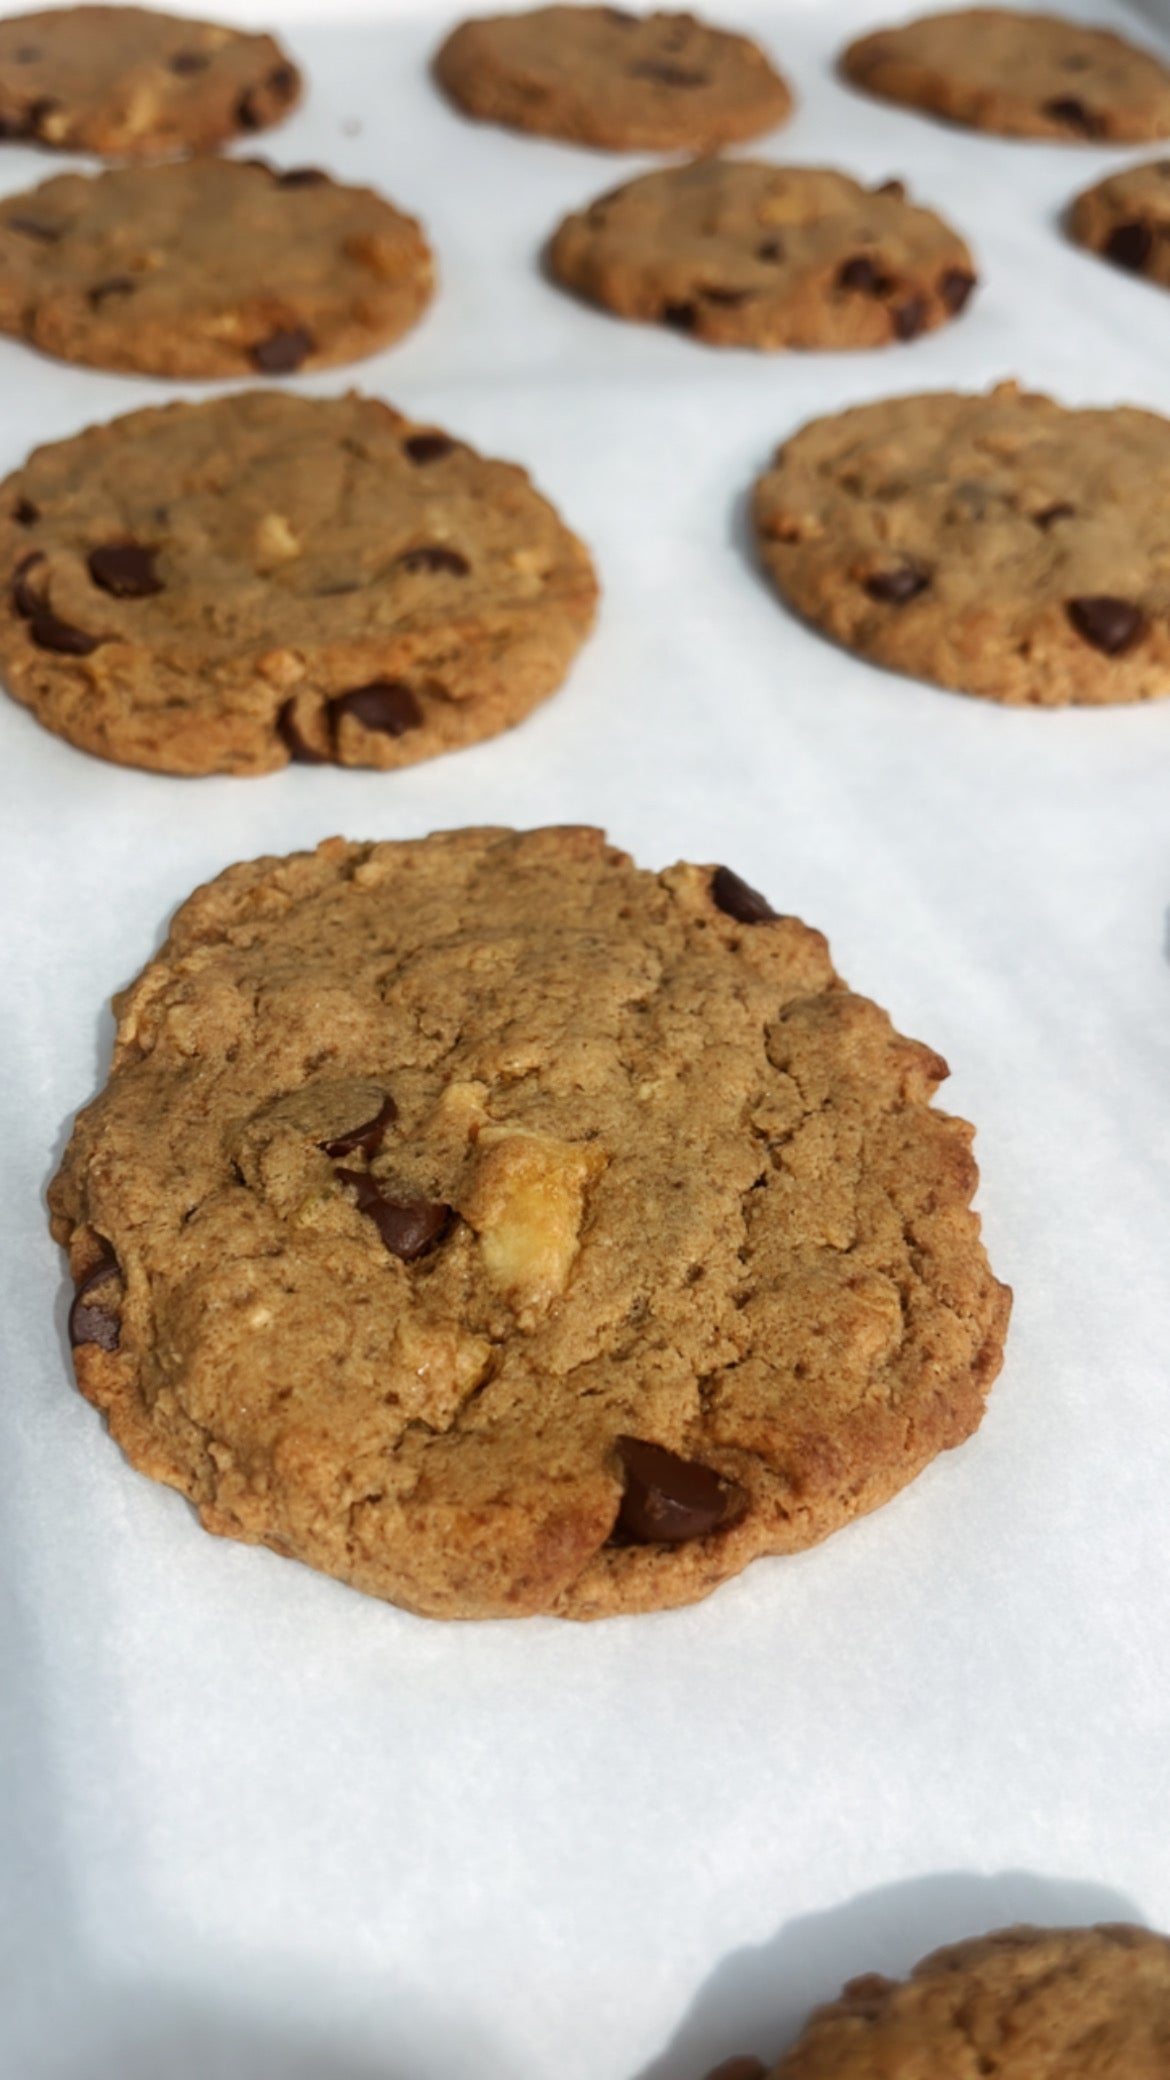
(134, 83)
(1019, 75)
(739, 253)
(999, 545)
(1022, 2004)
(220, 587)
(208, 267)
(503, 1229)
(1126, 219)
(602, 76)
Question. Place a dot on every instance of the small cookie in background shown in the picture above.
(1000, 545)
(133, 83)
(223, 587)
(1018, 75)
(1022, 2004)
(505, 1230)
(603, 76)
(209, 267)
(738, 253)
(1127, 220)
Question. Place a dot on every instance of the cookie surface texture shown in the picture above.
(738, 253)
(503, 1229)
(220, 587)
(998, 545)
(1020, 75)
(1127, 220)
(208, 267)
(1023, 2004)
(601, 76)
(128, 83)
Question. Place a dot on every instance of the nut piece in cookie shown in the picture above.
(1020, 75)
(209, 267)
(604, 76)
(135, 83)
(503, 1229)
(999, 545)
(738, 253)
(263, 578)
(1126, 219)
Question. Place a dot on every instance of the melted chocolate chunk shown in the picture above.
(669, 75)
(955, 288)
(861, 273)
(301, 753)
(88, 1321)
(25, 513)
(126, 570)
(901, 582)
(434, 557)
(669, 1499)
(31, 227)
(1074, 115)
(909, 318)
(408, 1227)
(385, 704)
(736, 899)
(428, 447)
(282, 352)
(49, 632)
(1109, 624)
(185, 62)
(1129, 245)
(113, 285)
(301, 177)
(681, 316)
(368, 1137)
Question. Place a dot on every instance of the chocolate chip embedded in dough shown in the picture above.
(89, 1322)
(1074, 115)
(434, 557)
(668, 1499)
(1110, 624)
(428, 447)
(736, 899)
(368, 1137)
(408, 1227)
(300, 752)
(283, 351)
(955, 288)
(901, 582)
(385, 704)
(125, 569)
(1129, 245)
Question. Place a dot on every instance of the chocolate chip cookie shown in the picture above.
(503, 1229)
(208, 267)
(223, 587)
(130, 83)
(1127, 220)
(999, 545)
(602, 76)
(742, 254)
(1021, 75)
(1023, 2004)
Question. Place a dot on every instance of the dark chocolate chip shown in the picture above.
(408, 1227)
(1045, 519)
(31, 227)
(1129, 245)
(282, 352)
(669, 75)
(300, 753)
(668, 1499)
(908, 318)
(88, 1321)
(895, 188)
(282, 80)
(727, 296)
(955, 288)
(125, 569)
(49, 632)
(1074, 115)
(385, 704)
(1109, 624)
(770, 249)
(184, 62)
(28, 54)
(113, 285)
(620, 14)
(901, 582)
(301, 177)
(428, 447)
(681, 316)
(25, 513)
(736, 899)
(433, 557)
(861, 273)
(368, 1137)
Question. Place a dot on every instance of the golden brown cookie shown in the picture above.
(1127, 220)
(1000, 545)
(603, 76)
(133, 83)
(503, 1229)
(1023, 2004)
(220, 587)
(1020, 75)
(739, 253)
(209, 267)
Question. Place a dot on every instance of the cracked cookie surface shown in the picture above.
(1019, 75)
(504, 1229)
(999, 545)
(131, 83)
(603, 76)
(208, 267)
(220, 587)
(739, 253)
(1022, 2004)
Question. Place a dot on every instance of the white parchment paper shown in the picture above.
(254, 1827)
